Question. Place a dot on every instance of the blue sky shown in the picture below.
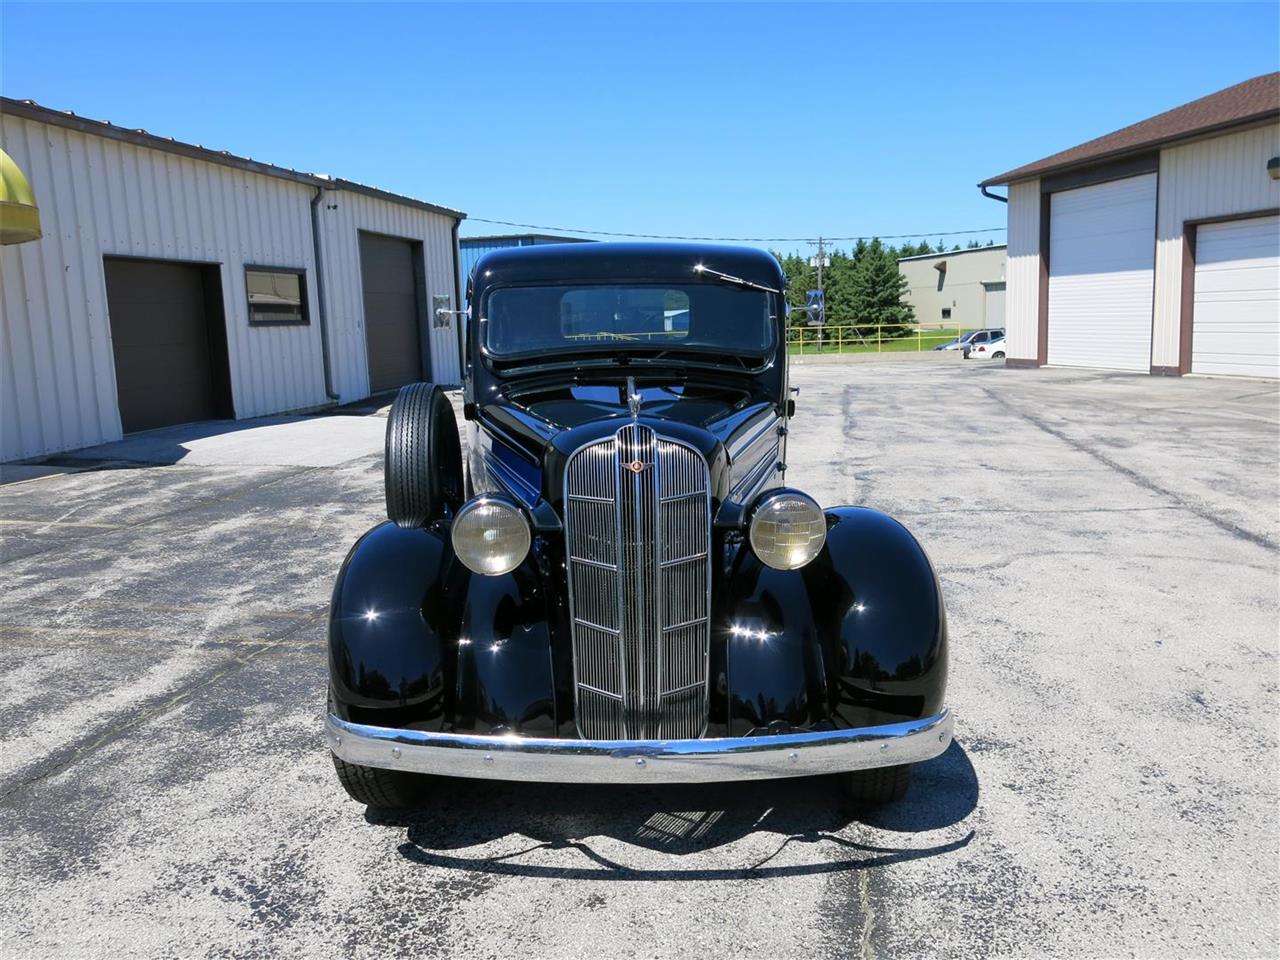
(754, 120)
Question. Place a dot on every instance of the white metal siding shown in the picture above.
(343, 216)
(1212, 178)
(1022, 284)
(1101, 258)
(101, 197)
(1236, 319)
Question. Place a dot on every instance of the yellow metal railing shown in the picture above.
(804, 339)
(870, 337)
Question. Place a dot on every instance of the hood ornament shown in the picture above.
(633, 398)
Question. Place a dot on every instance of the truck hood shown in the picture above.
(545, 426)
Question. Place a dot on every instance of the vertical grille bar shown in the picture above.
(638, 535)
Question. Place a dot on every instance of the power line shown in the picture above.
(663, 236)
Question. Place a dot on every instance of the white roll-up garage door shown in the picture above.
(1235, 322)
(1101, 263)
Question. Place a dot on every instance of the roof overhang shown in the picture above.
(29, 110)
(1035, 171)
(944, 254)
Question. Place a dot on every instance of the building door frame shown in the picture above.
(222, 396)
(1187, 307)
(417, 251)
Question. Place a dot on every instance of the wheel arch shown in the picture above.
(857, 637)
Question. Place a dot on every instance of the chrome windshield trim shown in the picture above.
(546, 760)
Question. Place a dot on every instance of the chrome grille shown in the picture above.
(638, 543)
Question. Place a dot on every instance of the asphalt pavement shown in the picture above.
(1109, 547)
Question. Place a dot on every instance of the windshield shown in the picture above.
(539, 320)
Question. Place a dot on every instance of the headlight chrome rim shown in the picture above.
(491, 535)
(777, 546)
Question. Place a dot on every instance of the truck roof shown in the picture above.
(624, 261)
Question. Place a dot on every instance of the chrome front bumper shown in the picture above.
(639, 761)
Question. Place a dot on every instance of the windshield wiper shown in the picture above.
(730, 278)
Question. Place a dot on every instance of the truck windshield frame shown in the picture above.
(562, 319)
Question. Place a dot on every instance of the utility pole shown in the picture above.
(820, 261)
(821, 252)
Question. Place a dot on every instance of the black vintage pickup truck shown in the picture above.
(614, 581)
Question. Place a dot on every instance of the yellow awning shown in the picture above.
(19, 217)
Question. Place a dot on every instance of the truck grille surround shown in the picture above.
(638, 544)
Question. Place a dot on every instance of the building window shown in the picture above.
(277, 296)
(946, 313)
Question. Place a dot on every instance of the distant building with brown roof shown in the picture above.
(1155, 247)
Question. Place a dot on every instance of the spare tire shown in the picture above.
(423, 466)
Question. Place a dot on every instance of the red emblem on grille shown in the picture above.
(636, 466)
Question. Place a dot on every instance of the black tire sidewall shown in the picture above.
(877, 785)
(381, 789)
(422, 469)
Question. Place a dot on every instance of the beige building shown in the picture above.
(961, 287)
(1155, 248)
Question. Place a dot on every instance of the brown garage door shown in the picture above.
(391, 311)
(169, 341)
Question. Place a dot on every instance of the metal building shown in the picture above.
(175, 283)
(964, 288)
(1155, 248)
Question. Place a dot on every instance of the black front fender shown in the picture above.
(391, 623)
(417, 641)
(857, 637)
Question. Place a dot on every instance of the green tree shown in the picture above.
(800, 276)
(911, 250)
(876, 289)
(862, 288)
(837, 287)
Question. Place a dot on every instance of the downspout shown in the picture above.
(320, 310)
(457, 302)
(991, 196)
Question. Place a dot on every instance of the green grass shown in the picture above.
(843, 341)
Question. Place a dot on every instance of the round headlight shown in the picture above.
(491, 536)
(787, 530)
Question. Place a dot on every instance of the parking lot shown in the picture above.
(1109, 547)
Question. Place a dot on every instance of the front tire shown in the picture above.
(423, 465)
(385, 789)
(876, 786)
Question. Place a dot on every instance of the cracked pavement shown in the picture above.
(1109, 547)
